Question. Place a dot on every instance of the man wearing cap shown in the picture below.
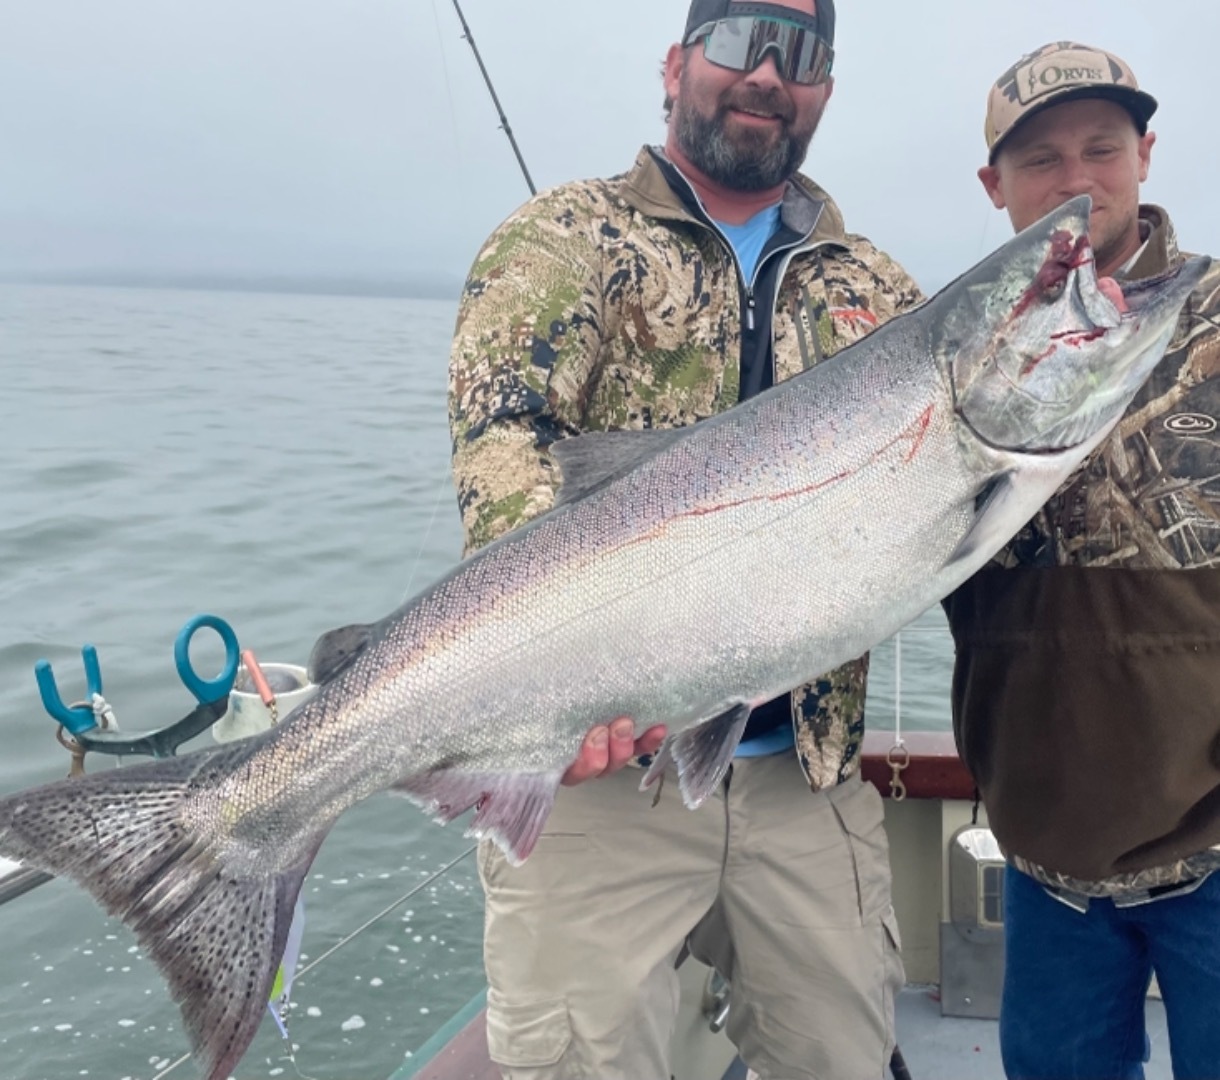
(1086, 691)
(706, 273)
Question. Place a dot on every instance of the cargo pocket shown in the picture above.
(861, 816)
(527, 1035)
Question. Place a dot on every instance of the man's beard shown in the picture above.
(752, 160)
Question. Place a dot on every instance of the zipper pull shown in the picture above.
(750, 308)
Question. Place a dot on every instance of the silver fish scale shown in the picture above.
(753, 536)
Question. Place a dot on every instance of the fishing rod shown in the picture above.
(469, 37)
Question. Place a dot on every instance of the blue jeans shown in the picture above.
(1074, 984)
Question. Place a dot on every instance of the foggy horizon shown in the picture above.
(299, 142)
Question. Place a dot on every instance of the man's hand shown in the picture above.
(1113, 292)
(608, 747)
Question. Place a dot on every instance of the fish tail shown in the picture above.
(212, 912)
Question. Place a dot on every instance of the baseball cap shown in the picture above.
(1055, 73)
(705, 11)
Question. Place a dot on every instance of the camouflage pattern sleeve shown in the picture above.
(895, 290)
(525, 347)
(829, 714)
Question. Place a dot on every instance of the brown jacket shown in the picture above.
(1086, 691)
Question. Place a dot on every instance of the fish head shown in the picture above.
(1039, 357)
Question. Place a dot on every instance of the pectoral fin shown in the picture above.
(992, 525)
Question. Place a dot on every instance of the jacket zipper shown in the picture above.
(799, 247)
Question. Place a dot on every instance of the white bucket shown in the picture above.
(247, 715)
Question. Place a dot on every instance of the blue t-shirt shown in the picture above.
(769, 742)
(749, 238)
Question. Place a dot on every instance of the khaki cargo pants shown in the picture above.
(785, 891)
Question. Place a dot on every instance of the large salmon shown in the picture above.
(685, 577)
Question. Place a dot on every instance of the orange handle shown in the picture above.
(257, 677)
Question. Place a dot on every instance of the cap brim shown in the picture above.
(1139, 104)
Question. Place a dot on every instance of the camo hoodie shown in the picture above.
(615, 304)
(1086, 695)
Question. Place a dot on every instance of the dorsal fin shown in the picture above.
(335, 650)
(588, 461)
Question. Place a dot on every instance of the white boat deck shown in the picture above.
(937, 1047)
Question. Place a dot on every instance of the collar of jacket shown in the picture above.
(655, 186)
(1160, 249)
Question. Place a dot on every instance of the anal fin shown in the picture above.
(701, 754)
(511, 807)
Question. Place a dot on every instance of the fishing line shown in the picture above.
(187, 1057)
(442, 483)
(468, 37)
(440, 489)
(440, 38)
(898, 688)
(302, 972)
(442, 486)
(983, 238)
(292, 1055)
(386, 911)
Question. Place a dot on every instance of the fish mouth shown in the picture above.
(1087, 404)
(1069, 264)
(1038, 356)
(1141, 297)
(1069, 270)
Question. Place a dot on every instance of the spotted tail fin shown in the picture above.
(212, 912)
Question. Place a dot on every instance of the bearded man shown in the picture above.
(705, 274)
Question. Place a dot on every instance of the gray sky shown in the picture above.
(354, 138)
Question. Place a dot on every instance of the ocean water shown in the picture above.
(280, 461)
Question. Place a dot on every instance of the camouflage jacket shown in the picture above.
(611, 304)
(1085, 701)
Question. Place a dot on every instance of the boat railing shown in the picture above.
(17, 880)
